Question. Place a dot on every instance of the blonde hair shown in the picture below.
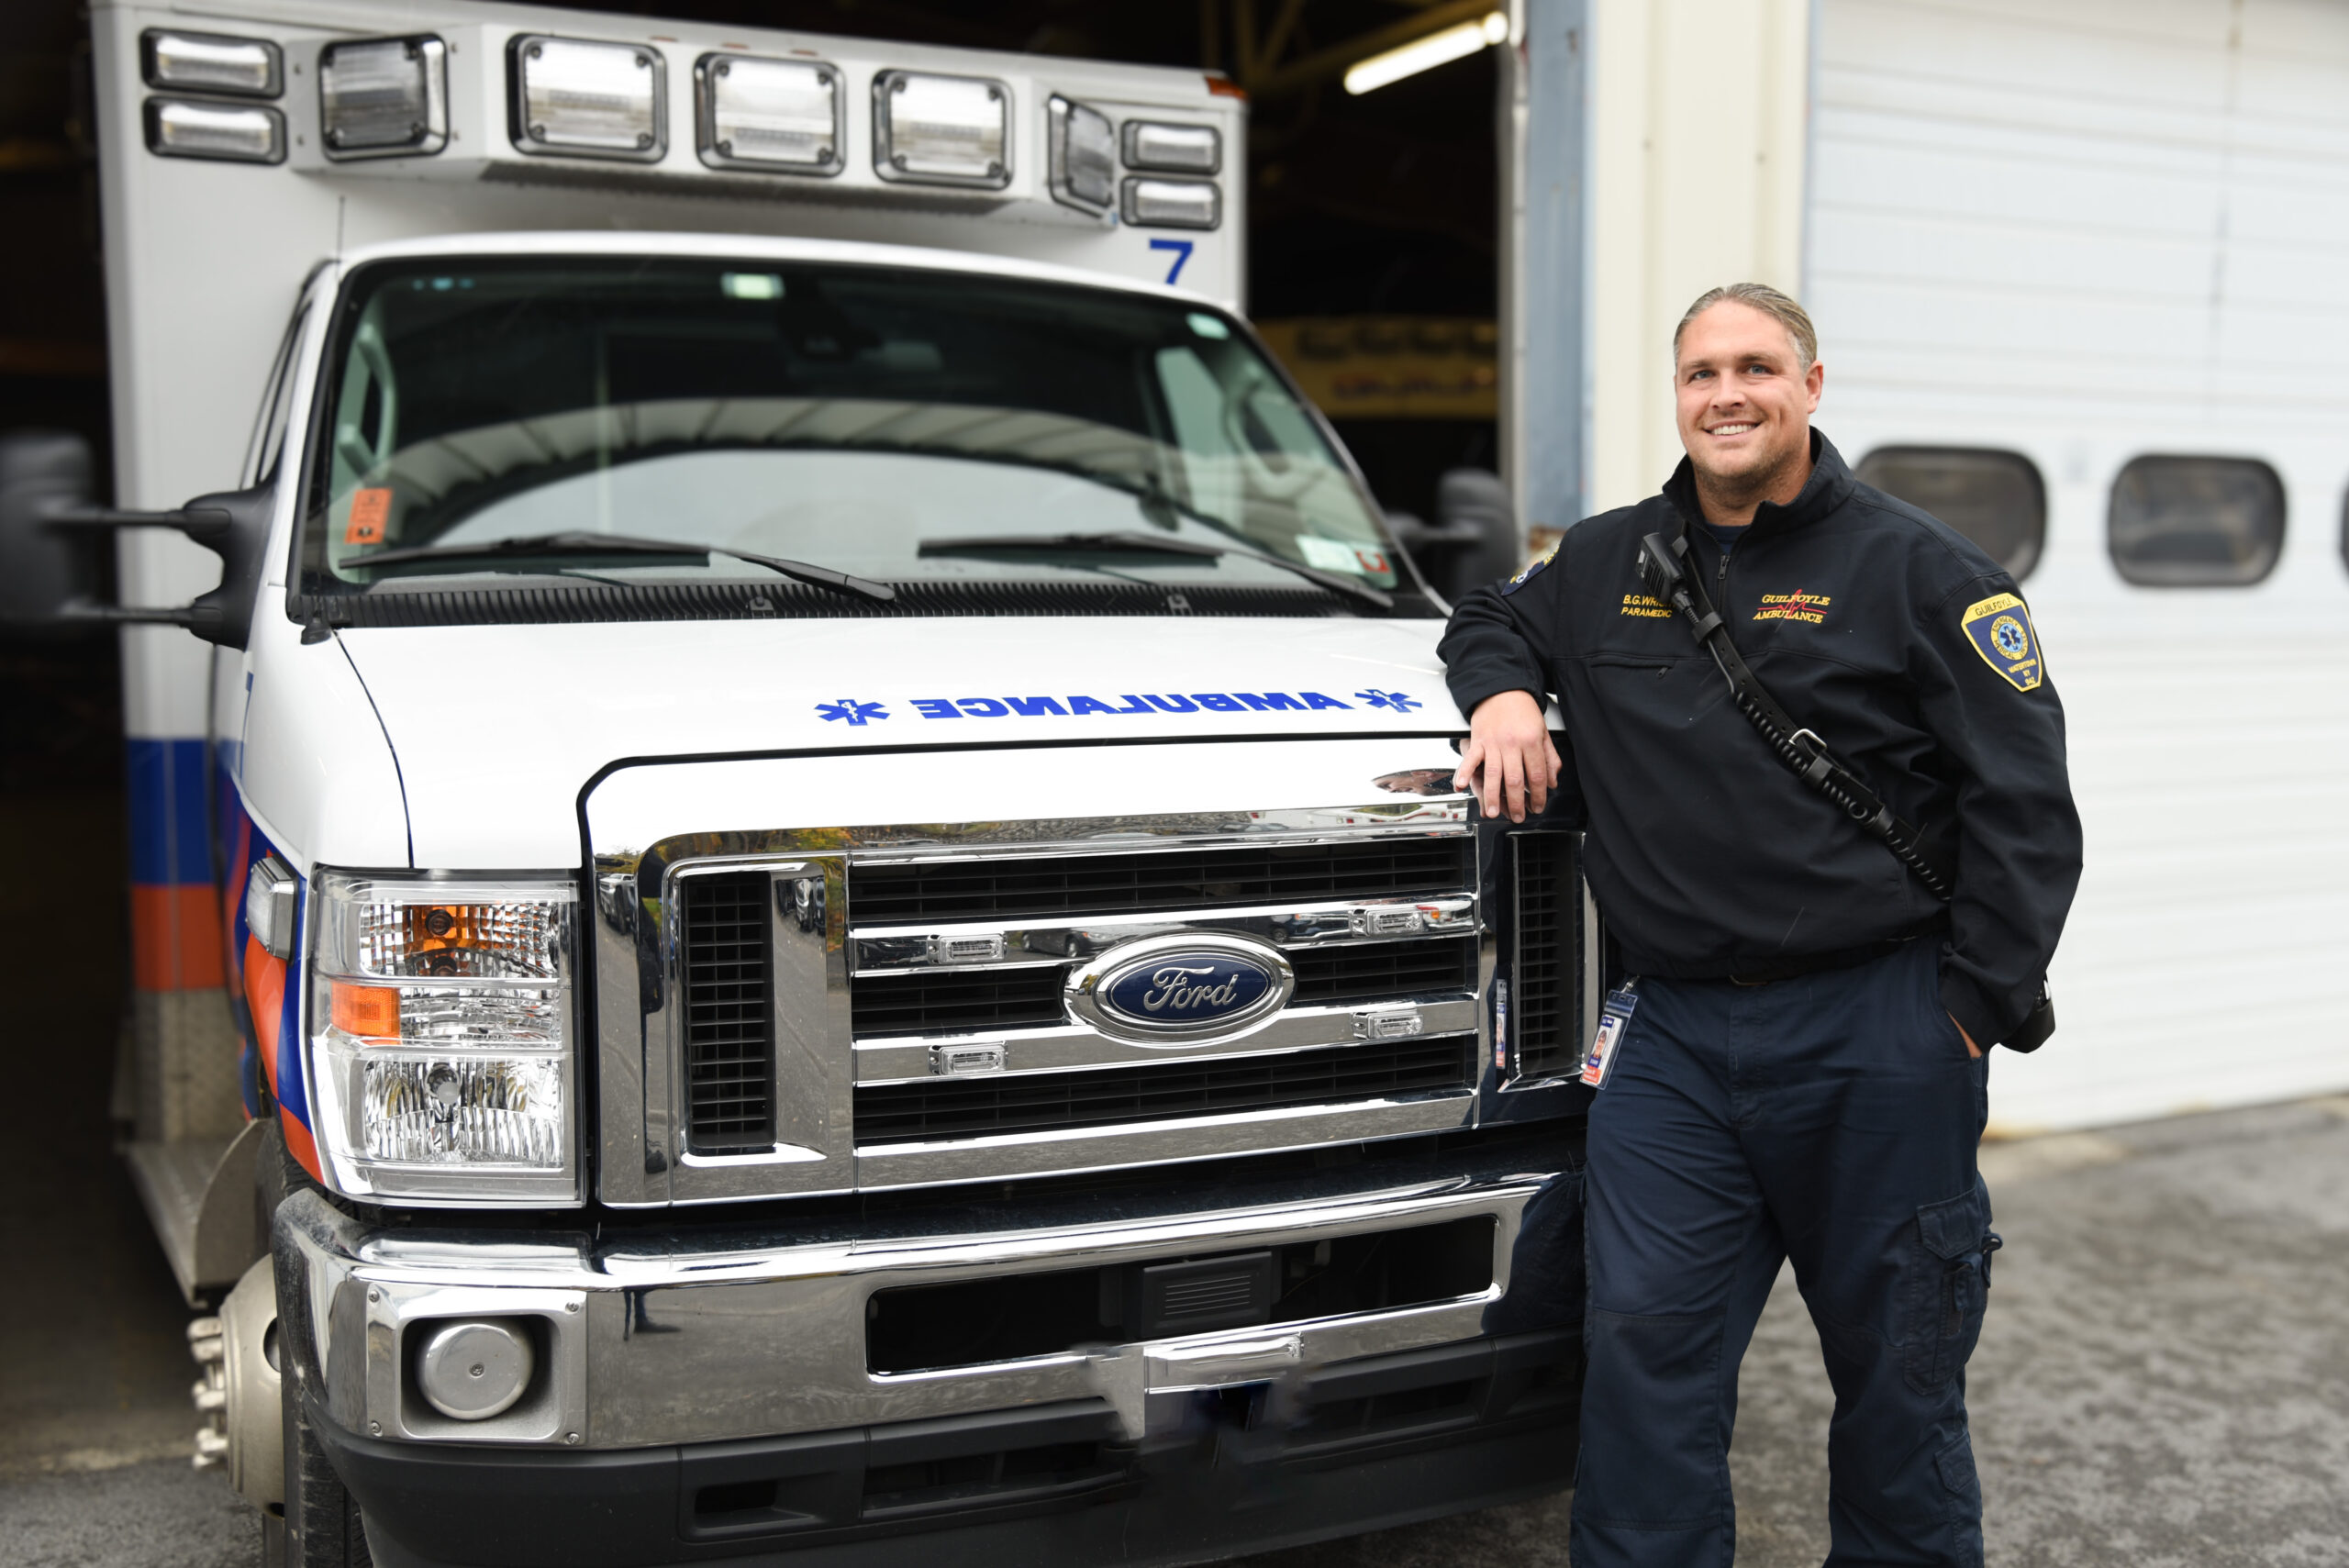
(1780, 308)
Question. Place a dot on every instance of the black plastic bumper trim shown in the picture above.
(1043, 1486)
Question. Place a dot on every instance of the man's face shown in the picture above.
(1744, 401)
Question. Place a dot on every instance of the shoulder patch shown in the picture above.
(2000, 628)
(1529, 569)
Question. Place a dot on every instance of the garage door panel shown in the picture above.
(1882, 164)
(2086, 232)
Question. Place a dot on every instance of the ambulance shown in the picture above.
(798, 894)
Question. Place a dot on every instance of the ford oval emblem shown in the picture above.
(1177, 989)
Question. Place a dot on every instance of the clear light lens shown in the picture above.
(446, 930)
(210, 62)
(233, 132)
(441, 1020)
(384, 96)
(1178, 148)
(1173, 204)
(450, 1015)
(462, 1111)
(1082, 156)
(593, 100)
(769, 114)
(941, 131)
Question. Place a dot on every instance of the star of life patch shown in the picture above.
(1999, 627)
(1525, 572)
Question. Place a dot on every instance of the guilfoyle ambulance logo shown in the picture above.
(2000, 628)
(1811, 609)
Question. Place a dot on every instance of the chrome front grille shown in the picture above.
(730, 1041)
(955, 1001)
(813, 1010)
(1165, 880)
(1550, 932)
(928, 1110)
(969, 1036)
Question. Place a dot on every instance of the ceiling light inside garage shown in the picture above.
(1425, 54)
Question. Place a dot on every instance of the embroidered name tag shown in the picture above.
(1797, 606)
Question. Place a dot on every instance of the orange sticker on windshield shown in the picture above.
(370, 510)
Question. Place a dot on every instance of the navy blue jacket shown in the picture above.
(1904, 646)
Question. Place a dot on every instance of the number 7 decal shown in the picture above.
(1182, 249)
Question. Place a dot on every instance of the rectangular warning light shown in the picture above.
(780, 114)
(578, 99)
(941, 131)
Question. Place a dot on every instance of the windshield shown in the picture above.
(485, 419)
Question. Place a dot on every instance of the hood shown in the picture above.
(498, 729)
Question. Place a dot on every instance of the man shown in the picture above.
(1801, 1074)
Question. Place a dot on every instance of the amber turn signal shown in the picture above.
(370, 1012)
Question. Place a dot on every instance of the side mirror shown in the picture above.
(1473, 539)
(1473, 506)
(47, 573)
(50, 536)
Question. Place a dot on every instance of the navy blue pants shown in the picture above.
(1830, 1119)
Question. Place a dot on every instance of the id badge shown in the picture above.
(1614, 1017)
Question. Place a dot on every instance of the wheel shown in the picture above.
(320, 1526)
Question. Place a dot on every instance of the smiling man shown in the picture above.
(1798, 1022)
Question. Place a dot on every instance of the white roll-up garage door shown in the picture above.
(2109, 238)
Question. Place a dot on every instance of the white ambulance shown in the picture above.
(822, 807)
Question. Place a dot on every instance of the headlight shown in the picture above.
(440, 1026)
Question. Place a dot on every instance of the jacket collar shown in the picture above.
(1828, 488)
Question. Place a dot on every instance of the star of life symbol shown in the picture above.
(1394, 700)
(856, 712)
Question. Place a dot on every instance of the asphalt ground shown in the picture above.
(2163, 1379)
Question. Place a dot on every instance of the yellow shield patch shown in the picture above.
(1999, 627)
(1530, 569)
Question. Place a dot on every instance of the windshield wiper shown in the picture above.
(578, 543)
(1148, 544)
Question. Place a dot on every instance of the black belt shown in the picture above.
(1769, 970)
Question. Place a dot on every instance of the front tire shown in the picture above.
(320, 1526)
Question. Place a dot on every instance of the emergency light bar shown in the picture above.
(787, 115)
(941, 131)
(576, 99)
(759, 109)
(211, 63)
(1081, 157)
(383, 98)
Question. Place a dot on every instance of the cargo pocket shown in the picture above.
(1961, 1500)
(1949, 1285)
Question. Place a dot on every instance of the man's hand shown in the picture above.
(1971, 1049)
(1510, 761)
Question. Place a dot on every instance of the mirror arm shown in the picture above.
(233, 527)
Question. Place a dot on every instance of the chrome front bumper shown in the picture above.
(659, 1337)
